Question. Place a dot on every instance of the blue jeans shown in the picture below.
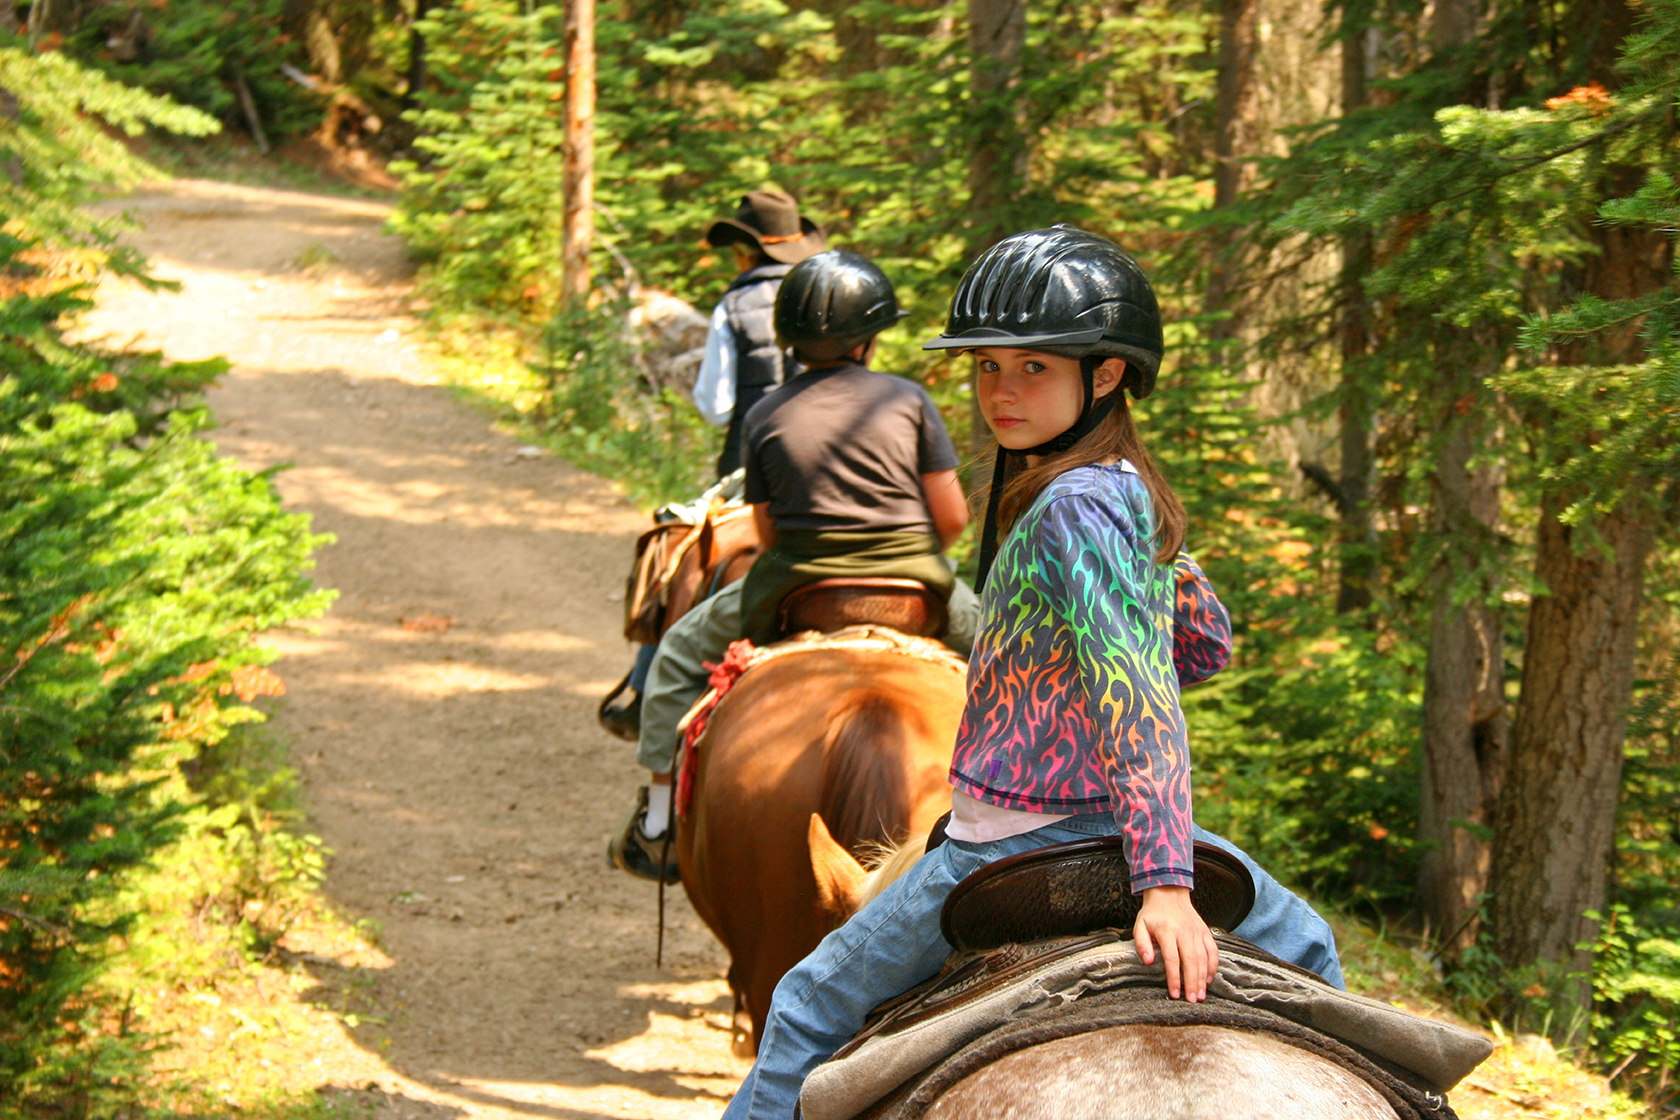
(894, 943)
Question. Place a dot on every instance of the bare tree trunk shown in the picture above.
(997, 29)
(1466, 745)
(1551, 854)
(1355, 414)
(40, 11)
(1233, 146)
(249, 104)
(1465, 733)
(1557, 813)
(579, 151)
(416, 56)
(1272, 75)
(1233, 160)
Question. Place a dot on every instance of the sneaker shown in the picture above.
(638, 853)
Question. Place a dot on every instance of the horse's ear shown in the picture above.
(839, 876)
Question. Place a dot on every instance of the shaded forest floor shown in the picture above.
(473, 955)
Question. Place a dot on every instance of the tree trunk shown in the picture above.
(1465, 731)
(579, 151)
(997, 29)
(1272, 75)
(252, 120)
(416, 56)
(1557, 813)
(1354, 414)
(1551, 854)
(1233, 146)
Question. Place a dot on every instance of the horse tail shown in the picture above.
(865, 789)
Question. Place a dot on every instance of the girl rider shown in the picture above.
(1091, 618)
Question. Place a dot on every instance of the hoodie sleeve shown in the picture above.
(1201, 625)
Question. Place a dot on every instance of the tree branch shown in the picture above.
(1320, 476)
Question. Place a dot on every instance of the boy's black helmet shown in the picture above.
(831, 302)
(1064, 291)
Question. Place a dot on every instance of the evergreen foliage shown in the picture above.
(60, 153)
(135, 570)
(197, 52)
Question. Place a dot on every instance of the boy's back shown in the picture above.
(845, 448)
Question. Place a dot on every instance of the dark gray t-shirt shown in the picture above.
(845, 448)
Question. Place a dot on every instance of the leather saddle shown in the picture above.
(1065, 890)
(907, 605)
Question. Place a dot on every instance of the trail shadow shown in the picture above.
(455, 767)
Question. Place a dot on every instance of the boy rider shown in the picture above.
(850, 472)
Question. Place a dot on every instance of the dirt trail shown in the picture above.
(457, 774)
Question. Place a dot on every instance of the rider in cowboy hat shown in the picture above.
(742, 361)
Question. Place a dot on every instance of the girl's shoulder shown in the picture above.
(1116, 491)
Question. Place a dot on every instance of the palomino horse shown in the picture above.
(843, 745)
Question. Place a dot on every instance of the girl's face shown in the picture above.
(1029, 397)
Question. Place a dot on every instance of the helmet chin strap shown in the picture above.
(1092, 413)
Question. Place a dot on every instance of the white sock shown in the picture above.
(658, 816)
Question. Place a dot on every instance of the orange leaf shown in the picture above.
(1592, 95)
(252, 681)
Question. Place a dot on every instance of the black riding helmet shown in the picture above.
(1063, 291)
(831, 302)
(1066, 292)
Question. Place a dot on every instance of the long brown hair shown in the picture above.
(1115, 438)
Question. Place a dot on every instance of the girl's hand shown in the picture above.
(1169, 922)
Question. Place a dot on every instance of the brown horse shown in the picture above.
(841, 746)
(677, 566)
(679, 563)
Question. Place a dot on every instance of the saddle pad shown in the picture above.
(742, 657)
(1064, 890)
(961, 1005)
(1149, 1008)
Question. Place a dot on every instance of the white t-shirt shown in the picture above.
(975, 822)
(714, 387)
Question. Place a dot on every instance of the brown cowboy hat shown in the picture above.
(770, 221)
